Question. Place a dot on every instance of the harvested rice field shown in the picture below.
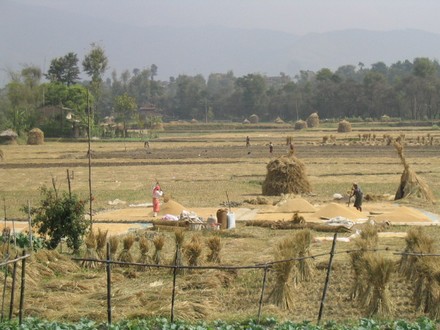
(201, 172)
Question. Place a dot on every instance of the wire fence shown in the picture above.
(108, 263)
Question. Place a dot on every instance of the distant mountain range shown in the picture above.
(36, 35)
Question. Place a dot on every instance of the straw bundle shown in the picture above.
(90, 242)
(313, 120)
(281, 294)
(285, 175)
(302, 241)
(410, 183)
(158, 242)
(300, 124)
(193, 251)
(178, 260)
(125, 255)
(114, 244)
(215, 247)
(378, 271)
(101, 240)
(144, 247)
(344, 126)
(35, 137)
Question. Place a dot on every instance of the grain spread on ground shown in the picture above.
(171, 207)
(333, 210)
(403, 214)
(292, 205)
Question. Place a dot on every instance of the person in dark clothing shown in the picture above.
(358, 196)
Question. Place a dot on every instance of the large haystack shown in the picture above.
(254, 119)
(300, 124)
(8, 137)
(313, 120)
(344, 126)
(35, 137)
(286, 175)
(410, 183)
(278, 120)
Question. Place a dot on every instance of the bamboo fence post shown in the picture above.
(173, 294)
(263, 287)
(14, 275)
(68, 183)
(4, 291)
(31, 244)
(23, 273)
(327, 279)
(109, 292)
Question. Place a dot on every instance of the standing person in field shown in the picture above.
(248, 142)
(270, 148)
(358, 196)
(157, 193)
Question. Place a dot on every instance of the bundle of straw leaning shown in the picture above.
(158, 242)
(144, 247)
(90, 251)
(178, 260)
(114, 244)
(215, 247)
(125, 255)
(302, 240)
(281, 294)
(193, 251)
(101, 240)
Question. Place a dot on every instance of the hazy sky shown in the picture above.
(294, 16)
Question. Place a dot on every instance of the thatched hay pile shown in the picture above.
(254, 119)
(313, 120)
(344, 126)
(278, 120)
(35, 137)
(286, 175)
(8, 137)
(410, 183)
(300, 124)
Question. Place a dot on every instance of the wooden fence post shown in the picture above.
(23, 273)
(109, 288)
(327, 279)
(173, 295)
(263, 287)
(14, 275)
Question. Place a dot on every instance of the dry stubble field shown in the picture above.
(197, 169)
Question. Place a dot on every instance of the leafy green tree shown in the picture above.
(252, 98)
(59, 217)
(64, 69)
(125, 108)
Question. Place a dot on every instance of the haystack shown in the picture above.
(410, 183)
(254, 119)
(344, 126)
(300, 124)
(313, 120)
(35, 137)
(278, 120)
(286, 175)
(8, 137)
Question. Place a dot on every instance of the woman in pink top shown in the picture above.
(157, 193)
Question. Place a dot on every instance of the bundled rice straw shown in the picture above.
(281, 294)
(125, 255)
(144, 248)
(193, 251)
(410, 183)
(302, 241)
(286, 175)
(378, 271)
(215, 247)
(101, 240)
(178, 260)
(114, 243)
(90, 251)
(158, 242)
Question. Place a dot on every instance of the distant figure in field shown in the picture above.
(248, 142)
(358, 195)
(291, 148)
(147, 145)
(270, 148)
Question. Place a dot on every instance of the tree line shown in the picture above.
(405, 89)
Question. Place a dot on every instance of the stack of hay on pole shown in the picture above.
(35, 137)
(278, 120)
(313, 120)
(344, 126)
(8, 137)
(286, 175)
(254, 119)
(410, 182)
(300, 124)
